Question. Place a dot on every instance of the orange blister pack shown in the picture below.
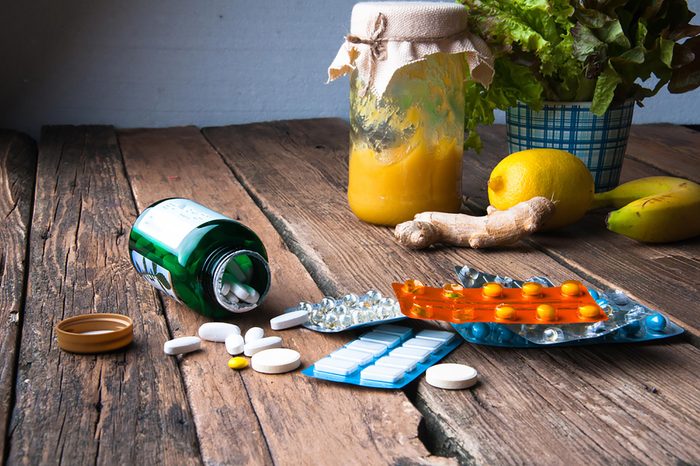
(532, 304)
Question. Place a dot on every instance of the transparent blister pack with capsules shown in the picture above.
(348, 312)
(628, 320)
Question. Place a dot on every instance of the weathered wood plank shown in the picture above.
(17, 167)
(302, 422)
(297, 172)
(125, 407)
(670, 148)
(663, 276)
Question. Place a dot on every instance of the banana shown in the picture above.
(637, 189)
(657, 209)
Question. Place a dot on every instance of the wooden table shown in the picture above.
(67, 206)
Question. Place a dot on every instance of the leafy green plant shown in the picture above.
(602, 51)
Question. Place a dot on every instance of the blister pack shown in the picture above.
(628, 320)
(652, 327)
(349, 312)
(531, 303)
(390, 356)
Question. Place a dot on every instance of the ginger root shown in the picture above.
(498, 227)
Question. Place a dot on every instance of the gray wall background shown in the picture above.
(154, 63)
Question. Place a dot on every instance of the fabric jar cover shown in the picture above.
(386, 36)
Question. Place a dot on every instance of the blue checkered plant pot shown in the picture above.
(600, 141)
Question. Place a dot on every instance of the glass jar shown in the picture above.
(406, 146)
(211, 263)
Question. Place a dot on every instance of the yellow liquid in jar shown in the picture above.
(426, 178)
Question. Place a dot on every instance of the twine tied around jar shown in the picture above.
(385, 37)
(375, 42)
(377, 47)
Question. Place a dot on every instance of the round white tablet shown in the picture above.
(451, 376)
(275, 361)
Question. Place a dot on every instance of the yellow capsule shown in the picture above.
(589, 311)
(492, 290)
(571, 288)
(464, 314)
(421, 312)
(452, 290)
(238, 363)
(532, 289)
(546, 312)
(505, 312)
(412, 286)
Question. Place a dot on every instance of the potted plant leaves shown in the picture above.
(568, 73)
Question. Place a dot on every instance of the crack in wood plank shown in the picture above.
(359, 256)
(17, 168)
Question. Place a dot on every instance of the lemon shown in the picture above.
(552, 173)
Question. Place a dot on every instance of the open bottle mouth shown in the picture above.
(240, 281)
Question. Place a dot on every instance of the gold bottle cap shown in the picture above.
(95, 333)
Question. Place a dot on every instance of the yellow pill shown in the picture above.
(589, 311)
(532, 289)
(571, 288)
(463, 315)
(238, 363)
(452, 290)
(412, 286)
(492, 290)
(546, 312)
(504, 312)
(421, 312)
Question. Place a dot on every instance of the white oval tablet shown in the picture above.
(289, 320)
(275, 360)
(234, 344)
(182, 345)
(451, 376)
(246, 293)
(217, 331)
(262, 344)
(240, 290)
(254, 333)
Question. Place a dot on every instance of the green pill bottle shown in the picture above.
(207, 261)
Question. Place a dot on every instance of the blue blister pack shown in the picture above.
(628, 321)
(652, 327)
(390, 356)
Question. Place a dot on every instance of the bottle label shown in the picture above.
(154, 274)
(170, 221)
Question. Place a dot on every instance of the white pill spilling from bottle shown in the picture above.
(234, 344)
(289, 320)
(262, 344)
(217, 331)
(254, 333)
(181, 345)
